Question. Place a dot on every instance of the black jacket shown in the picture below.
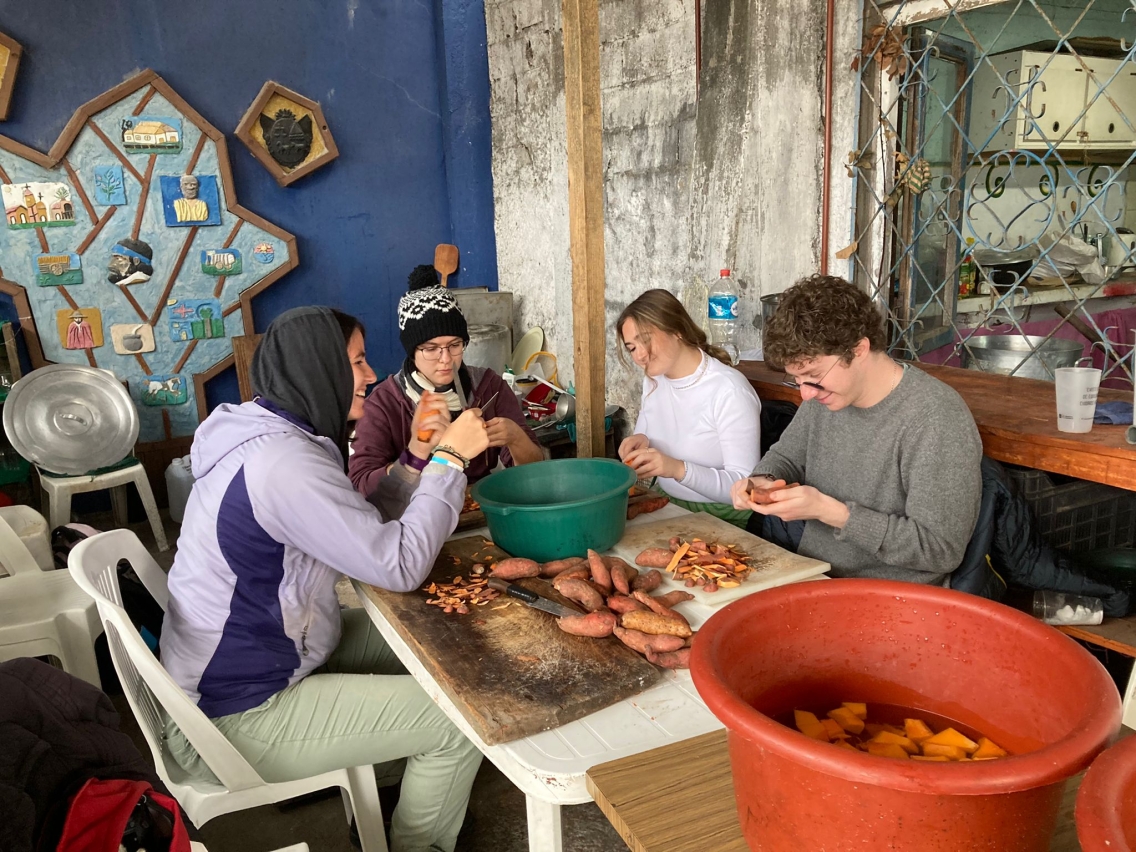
(1006, 533)
(56, 732)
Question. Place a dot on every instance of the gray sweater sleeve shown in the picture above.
(942, 476)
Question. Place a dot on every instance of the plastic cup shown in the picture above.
(1062, 608)
(1076, 398)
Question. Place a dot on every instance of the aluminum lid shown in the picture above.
(70, 419)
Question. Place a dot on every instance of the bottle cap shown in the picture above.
(723, 273)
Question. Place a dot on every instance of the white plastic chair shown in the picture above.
(45, 612)
(150, 691)
(60, 488)
(1128, 712)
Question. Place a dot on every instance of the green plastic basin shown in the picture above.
(553, 509)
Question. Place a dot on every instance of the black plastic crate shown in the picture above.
(1078, 516)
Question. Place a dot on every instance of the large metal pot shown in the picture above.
(1002, 353)
(768, 306)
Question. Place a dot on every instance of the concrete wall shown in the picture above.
(729, 176)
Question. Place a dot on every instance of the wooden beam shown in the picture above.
(581, 26)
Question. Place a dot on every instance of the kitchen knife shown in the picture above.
(531, 598)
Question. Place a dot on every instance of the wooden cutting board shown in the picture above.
(773, 565)
(507, 667)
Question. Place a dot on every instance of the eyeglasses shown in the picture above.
(817, 386)
(433, 353)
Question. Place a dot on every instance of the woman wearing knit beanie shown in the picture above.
(434, 333)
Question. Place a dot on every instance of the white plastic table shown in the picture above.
(549, 767)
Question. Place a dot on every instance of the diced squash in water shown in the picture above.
(953, 752)
(848, 720)
(951, 737)
(809, 725)
(931, 758)
(833, 729)
(917, 730)
(887, 750)
(858, 708)
(987, 750)
(903, 742)
(872, 728)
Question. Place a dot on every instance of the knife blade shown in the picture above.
(531, 598)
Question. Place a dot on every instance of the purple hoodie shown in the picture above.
(271, 523)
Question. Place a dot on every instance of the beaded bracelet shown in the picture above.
(445, 448)
(445, 462)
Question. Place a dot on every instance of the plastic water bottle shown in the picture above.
(722, 314)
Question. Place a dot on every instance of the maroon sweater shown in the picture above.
(384, 431)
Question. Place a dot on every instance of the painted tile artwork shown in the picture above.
(37, 205)
(58, 270)
(133, 339)
(195, 319)
(264, 252)
(80, 328)
(151, 134)
(164, 390)
(224, 261)
(110, 186)
(189, 200)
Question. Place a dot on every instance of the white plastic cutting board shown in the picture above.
(773, 565)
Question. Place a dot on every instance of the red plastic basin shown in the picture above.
(1106, 802)
(1028, 687)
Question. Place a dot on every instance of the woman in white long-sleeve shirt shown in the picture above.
(699, 427)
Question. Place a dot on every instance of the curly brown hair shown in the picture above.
(821, 315)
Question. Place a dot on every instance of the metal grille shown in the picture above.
(994, 144)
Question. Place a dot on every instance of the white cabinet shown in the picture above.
(1030, 101)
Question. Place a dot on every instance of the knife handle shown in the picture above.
(512, 589)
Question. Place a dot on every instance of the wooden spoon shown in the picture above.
(446, 260)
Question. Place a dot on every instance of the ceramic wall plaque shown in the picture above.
(189, 200)
(149, 134)
(222, 261)
(132, 339)
(37, 205)
(10, 52)
(287, 132)
(164, 389)
(110, 186)
(58, 270)
(80, 328)
(195, 319)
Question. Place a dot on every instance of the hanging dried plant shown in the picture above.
(887, 45)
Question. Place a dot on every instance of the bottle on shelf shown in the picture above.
(968, 271)
(722, 314)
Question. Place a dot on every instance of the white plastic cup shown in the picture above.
(1076, 398)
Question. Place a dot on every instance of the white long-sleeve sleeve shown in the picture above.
(709, 420)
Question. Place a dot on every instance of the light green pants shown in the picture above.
(360, 707)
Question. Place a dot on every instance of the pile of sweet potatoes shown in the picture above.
(618, 601)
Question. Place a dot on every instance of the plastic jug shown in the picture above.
(179, 482)
(32, 529)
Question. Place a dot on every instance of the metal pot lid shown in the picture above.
(70, 419)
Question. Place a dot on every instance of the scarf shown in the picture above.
(413, 384)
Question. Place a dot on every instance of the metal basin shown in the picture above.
(1001, 354)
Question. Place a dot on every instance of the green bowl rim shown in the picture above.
(495, 504)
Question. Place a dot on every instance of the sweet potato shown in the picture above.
(619, 580)
(656, 606)
(679, 659)
(514, 568)
(652, 622)
(583, 593)
(671, 598)
(630, 570)
(600, 573)
(654, 557)
(576, 572)
(651, 504)
(622, 604)
(647, 581)
(551, 569)
(595, 624)
(675, 543)
(645, 642)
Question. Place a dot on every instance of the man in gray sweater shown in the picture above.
(881, 462)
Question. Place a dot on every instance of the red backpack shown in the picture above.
(106, 815)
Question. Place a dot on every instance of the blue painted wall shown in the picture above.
(405, 89)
